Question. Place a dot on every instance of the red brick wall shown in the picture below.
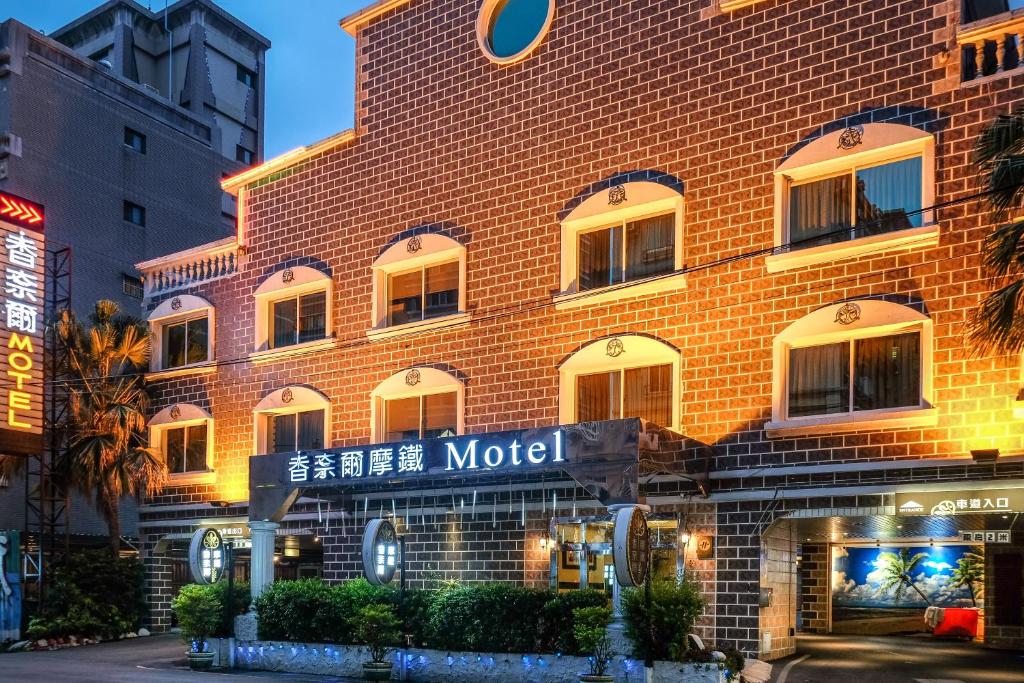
(492, 155)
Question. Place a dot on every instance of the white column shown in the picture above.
(261, 561)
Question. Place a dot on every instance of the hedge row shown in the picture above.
(481, 618)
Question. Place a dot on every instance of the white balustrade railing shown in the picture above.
(191, 267)
(992, 47)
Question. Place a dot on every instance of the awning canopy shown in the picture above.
(606, 458)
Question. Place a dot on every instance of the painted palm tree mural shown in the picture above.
(970, 574)
(898, 572)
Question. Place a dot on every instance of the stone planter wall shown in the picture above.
(433, 666)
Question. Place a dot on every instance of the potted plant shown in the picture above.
(199, 613)
(377, 627)
(590, 626)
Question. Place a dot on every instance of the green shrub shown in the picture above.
(377, 627)
(556, 631)
(590, 626)
(303, 611)
(662, 629)
(93, 594)
(487, 618)
(199, 614)
(414, 614)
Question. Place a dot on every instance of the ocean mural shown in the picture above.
(869, 577)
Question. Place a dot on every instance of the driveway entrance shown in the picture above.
(896, 659)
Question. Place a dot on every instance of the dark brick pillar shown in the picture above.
(815, 595)
(738, 580)
(157, 584)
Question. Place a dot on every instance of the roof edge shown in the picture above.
(283, 161)
(353, 22)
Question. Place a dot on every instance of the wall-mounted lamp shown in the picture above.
(543, 542)
(985, 454)
(684, 538)
(220, 503)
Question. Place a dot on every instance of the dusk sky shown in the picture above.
(310, 68)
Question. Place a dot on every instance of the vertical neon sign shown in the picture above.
(22, 312)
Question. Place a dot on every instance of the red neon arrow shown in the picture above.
(35, 216)
(7, 204)
(22, 210)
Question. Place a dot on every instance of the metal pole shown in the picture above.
(229, 549)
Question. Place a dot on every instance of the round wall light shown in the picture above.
(509, 30)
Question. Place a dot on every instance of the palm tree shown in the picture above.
(970, 572)
(996, 326)
(106, 456)
(897, 571)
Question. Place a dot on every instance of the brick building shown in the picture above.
(126, 165)
(747, 223)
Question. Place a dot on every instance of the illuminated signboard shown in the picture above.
(952, 503)
(380, 552)
(207, 556)
(465, 454)
(22, 311)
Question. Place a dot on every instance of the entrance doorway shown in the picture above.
(581, 555)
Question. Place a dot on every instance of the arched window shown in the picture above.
(419, 403)
(619, 377)
(293, 418)
(419, 283)
(183, 434)
(622, 242)
(183, 335)
(856, 365)
(293, 312)
(857, 191)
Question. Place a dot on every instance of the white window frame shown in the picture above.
(425, 382)
(410, 254)
(174, 310)
(290, 283)
(881, 143)
(288, 400)
(175, 417)
(643, 199)
(877, 319)
(638, 351)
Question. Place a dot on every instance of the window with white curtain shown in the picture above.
(627, 251)
(644, 392)
(872, 373)
(859, 202)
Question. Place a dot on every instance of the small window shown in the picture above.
(423, 293)
(875, 373)
(298, 319)
(185, 449)
(185, 342)
(510, 29)
(246, 76)
(296, 431)
(135, 140)
(133, 213)
(131, 286)
(632, 250)
(429, 416)
(859, 203)
(644, 392)
(246, 156)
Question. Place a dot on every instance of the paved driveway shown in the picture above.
(896, 659)
(156, 658)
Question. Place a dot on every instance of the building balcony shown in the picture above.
(992, 48)
(190, 268)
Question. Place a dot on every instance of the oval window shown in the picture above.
(509, 30)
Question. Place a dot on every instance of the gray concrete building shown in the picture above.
(122, 124)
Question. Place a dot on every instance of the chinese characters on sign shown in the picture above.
(207, 556)
(22, 311)
(985, 536)
(951, 503)
(459, 454)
